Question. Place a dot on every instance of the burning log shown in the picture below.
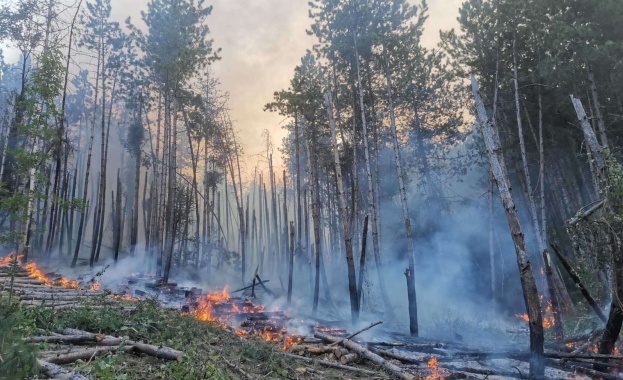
(369, 355)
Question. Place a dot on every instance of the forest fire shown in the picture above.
(436, 372)
(6, 261)
(244, 317)
(548, 316)
(35, 272)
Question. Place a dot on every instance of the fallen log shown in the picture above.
(369, 355)
(338, 352)
(22, 280)
(318, 349)
(148, 349)
(159, 352)
(596, 374)
(391, 344)
(564, 355)
(82, 354)
(55, 371)
(403, 357)
(331, 364)
(349, 358)
(72, 339)
(58, 297)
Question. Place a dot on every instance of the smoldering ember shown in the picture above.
(323, 189)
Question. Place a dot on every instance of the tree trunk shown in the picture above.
(413, 319)
(348, 243)
(530, 293)
(558, 327)
(291, 264)
(316, 226)
(371, 196)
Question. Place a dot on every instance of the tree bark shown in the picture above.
(371, 196)
(530, 293)
(348, 243)
(411, 294)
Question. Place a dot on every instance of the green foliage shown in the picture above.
(18, 360)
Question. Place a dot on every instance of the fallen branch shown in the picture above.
(238, 369)
(369, 355)
(356, 333)
(585, 214)
(576, 278)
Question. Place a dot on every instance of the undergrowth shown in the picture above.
(206, 347)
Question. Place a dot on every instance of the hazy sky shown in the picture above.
(262, 42)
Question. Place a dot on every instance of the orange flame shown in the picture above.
(208, 305)
(96, 286)
(5, 261)
(125, 297)
(436, 372)
(35, 272)
(548, 315)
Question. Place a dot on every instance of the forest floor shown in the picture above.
(210, 352)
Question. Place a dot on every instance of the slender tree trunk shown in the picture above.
(316, 226)
(117, 226)
(558, 327)
(410, 273)
(87, 172)
(350, 261)
(172, 194)
(371, 197)
(291, 264)
(530, 292)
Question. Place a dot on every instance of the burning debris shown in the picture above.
(243, 317)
